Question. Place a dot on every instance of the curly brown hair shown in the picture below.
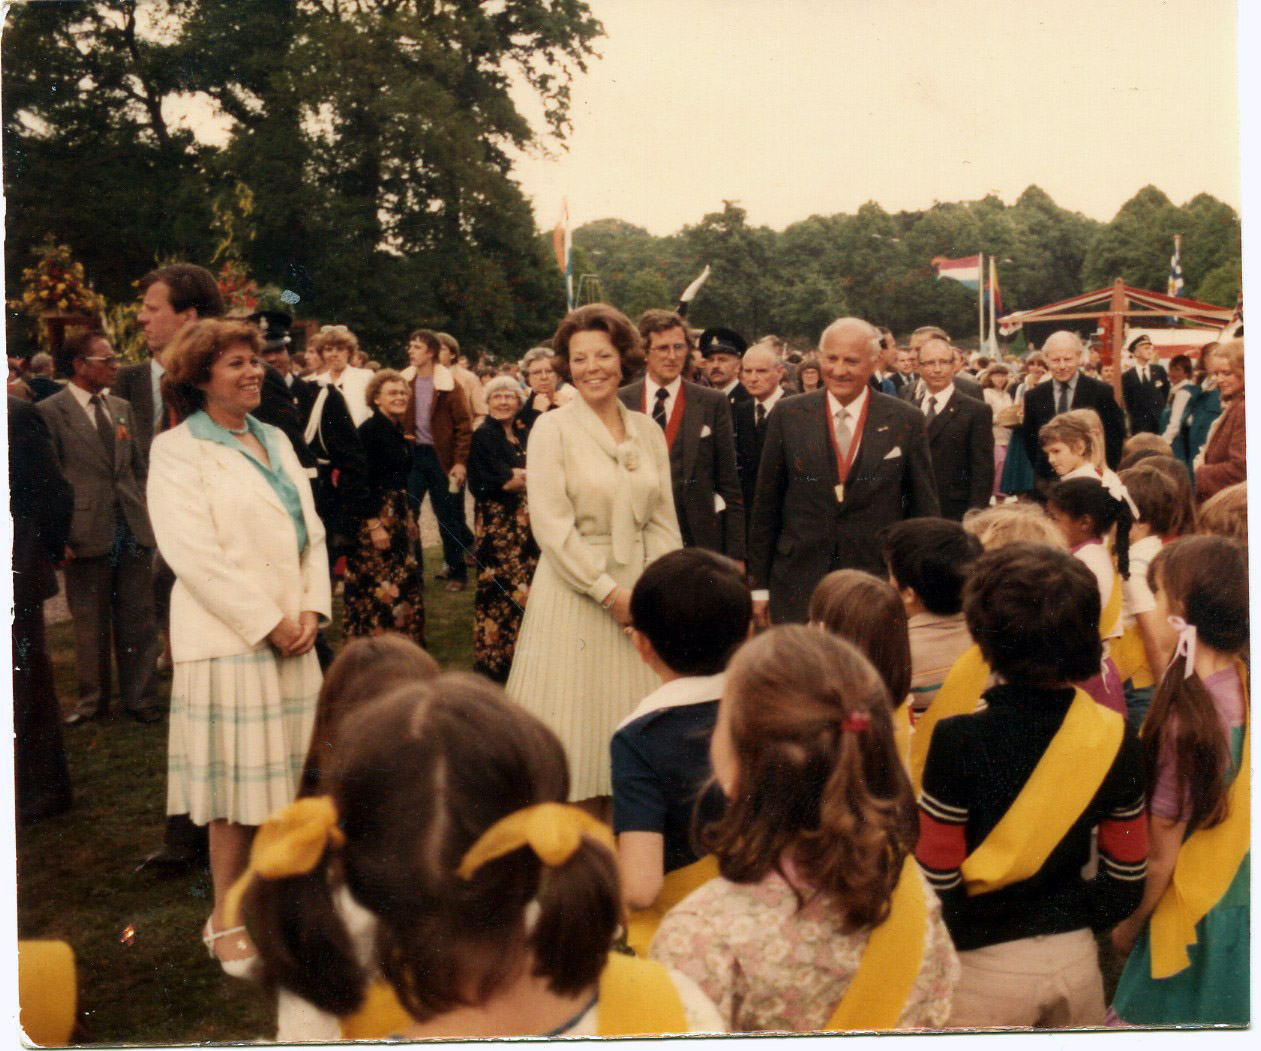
(600, 317)
(193, 353)
(379, 379)
(833, 798)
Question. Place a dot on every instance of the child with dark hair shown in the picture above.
(928, 560)
(1086, 512)
(1012, 793)
(1188, 942)
(821, 919)
(495, 902)
(689, 611)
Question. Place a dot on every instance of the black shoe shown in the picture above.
(78, 718)
(169, 861)
(146, 715)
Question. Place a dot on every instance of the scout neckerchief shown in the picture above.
(1058, 791)
(1205, 869)
(676, 417)
(642, 924)
(844, 463)
(890, 963)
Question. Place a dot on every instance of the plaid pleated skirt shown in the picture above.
(240, 729)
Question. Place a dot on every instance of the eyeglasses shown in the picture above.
(108, 359)
(670, 348)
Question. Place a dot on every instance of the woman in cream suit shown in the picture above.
(232, 512)
(601, 507)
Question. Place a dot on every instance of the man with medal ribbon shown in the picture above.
(838, 465)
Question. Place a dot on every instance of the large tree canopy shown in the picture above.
(372, 137)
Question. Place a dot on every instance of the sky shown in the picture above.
(804, 107)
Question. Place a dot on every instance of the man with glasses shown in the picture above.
(696, 422)
(109, 556)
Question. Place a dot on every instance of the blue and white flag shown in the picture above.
(1177, 286)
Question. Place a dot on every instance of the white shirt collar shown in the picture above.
(731, 386)
(772, 398)
(85, 399)
(942, 396)
(678, 693)
(854, 409)
(158, 368)
(651, 386)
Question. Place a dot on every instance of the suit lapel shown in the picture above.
(938, 422)
(78, 422)
(689, 436)
(228, 459)
(876, 440)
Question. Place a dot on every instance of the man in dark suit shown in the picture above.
(760, 375)
(109, 569)
(1145, 388)
(838, 465)
(697, 426)
(1069, 388)
(960, 434)
(723, 351)
(42, 504)
(914, 392)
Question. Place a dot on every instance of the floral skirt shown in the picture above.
(506, 559)
(383, 590)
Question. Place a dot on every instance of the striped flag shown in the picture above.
(967, 270)
(563, 245)
(1177, 286)
(993, 298)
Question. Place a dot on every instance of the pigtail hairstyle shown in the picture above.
(1087, 496)
(1207, 578)
(417, 777)
(818, 776)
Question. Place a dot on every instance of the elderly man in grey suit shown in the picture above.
(109, 575)
(697, 424)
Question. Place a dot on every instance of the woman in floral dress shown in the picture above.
(506, 552)
(383, 584)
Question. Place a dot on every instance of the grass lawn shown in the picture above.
(76, 880)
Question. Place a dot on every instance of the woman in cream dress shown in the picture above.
(601, 507)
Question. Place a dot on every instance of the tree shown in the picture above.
(1135, 245)
(738, 292)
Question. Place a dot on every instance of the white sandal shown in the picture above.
(245, 966)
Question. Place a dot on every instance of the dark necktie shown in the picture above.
(103, 427)
(659, 410)
(1063, 402)
(760, 416)
(930, 413)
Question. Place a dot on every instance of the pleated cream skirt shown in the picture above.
(578, 672)
(240, 729)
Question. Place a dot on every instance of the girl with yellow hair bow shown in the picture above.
(494, 903)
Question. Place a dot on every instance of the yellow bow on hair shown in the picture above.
(289, 843)
(552, 830)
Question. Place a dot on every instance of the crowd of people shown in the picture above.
(855, 686)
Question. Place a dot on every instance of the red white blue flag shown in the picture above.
(967, 271)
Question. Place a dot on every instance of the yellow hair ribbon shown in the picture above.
(552, 830)
(289, 843)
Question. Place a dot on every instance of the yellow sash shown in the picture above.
(642, 924)
(902, 732)
(1130, 657)
(637, 998)
(1206, 866)
(1061, 786)
(47, 991)
(1110, 616)
(958, 695)
(886, 974)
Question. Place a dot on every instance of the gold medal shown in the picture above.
(840, 493)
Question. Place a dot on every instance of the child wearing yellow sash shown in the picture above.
(820, 919)
(867, 612)
(495, 902)
(1011, 795)
(689, 612)
(1086, 513)
(1188, 941)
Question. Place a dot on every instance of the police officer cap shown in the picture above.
(275, 325)
(1138, 341)
(722, 341)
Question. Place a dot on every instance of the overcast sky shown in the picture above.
(801, 107)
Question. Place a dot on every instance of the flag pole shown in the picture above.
(993, 308)
(980, 300)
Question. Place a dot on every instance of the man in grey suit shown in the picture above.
(109, 567)
(697, 425)
(838, 465)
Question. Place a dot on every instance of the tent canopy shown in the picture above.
(1139, 302)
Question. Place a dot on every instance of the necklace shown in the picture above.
(238, 431)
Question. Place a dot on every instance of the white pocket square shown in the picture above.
(705, 431)
(893, 453)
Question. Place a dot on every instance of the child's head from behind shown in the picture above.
(804, 751)
(867, 612)
(1204, 580)
(931, 557)
(1165, 507)
(1072, 439)
(418, 777)
(363, 670)
(1034, 612)
(1226, 513)
(694, 608)
(1004, 524)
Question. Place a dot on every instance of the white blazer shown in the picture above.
(353, 384)
(225, 533)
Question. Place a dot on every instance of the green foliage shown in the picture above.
(1221, 285)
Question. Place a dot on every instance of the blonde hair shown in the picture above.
(1226, 513)
(997, 527)
(334, 336)
(1077, 425)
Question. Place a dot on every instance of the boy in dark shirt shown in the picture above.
(1020, 910)
(690, 610)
